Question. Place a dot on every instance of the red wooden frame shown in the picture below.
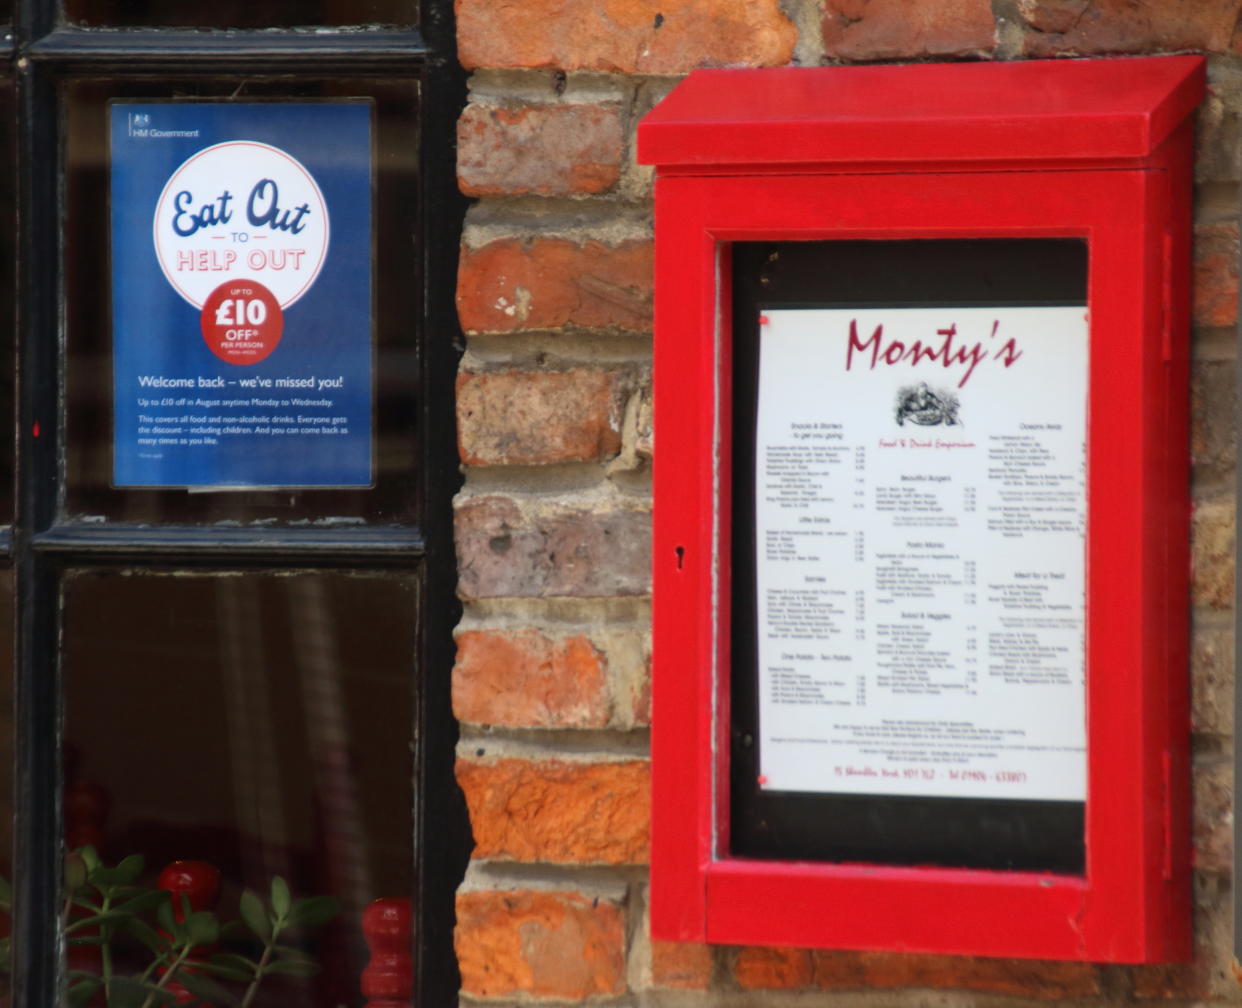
(1099, 150)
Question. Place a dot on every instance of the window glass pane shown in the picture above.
(240, 13)
(388, 299)
(7, 276)
(7, 735)
(260, 723)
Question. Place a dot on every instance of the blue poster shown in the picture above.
(241, 294)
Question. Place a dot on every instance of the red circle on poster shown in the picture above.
(241, 321)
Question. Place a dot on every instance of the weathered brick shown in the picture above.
(543, 944)
(534, 418)
(1216, 274)
(548, 283)
(756, 968)
(1218, 139)
(624, 36)
(545, 150)
(503, 550)
(1026, 978)
(1211, 699)
(558, 811)
(523, 679)
(683, 965)
(894, 29)
(1211, 552)
(1213, 431)
(1127, 26)
(1213, 814)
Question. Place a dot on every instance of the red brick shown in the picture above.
(887, 970)
(548, 283)
(684, 965)
(503, 551)
(1127, 26)
(545, 150)
(544, 944)
(772, 968)
(534, 418)
(1211, 554)
(624, 36)
(522, 679)
(557, 811)
(1216, 275)
(894, 29)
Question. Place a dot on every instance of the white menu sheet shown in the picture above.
(920, 512)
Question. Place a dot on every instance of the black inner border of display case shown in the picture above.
(953, 832)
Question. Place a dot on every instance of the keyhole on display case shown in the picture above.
(681, 554)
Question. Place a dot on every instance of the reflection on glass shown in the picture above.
(260, 724)
(240, 13)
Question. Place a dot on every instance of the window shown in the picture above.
(225, 541)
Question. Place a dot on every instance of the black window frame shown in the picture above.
(42, 544)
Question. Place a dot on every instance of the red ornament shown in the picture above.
(388, 979)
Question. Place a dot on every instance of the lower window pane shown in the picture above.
(260, 724)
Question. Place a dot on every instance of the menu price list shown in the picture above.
(920, 518)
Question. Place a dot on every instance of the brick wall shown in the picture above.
(552, 679)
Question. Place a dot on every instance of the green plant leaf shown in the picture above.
(205, 989)
(75, 874)
(165, 916)
(314, 911)
(123, 874)
(146, 934)
(229, 966)
(280, 898)
(82, 991)
(202, 927)
(89, 855)
(126, 992)
(111, 917)
(291, 952)
(255, 915)
(292, 967)
(147, 899)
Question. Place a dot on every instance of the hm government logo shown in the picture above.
(138, 126)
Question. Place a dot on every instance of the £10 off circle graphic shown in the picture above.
(241, 232)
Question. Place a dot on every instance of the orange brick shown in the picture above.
(624, 36)
(895, 29)
(547, 283)
(684, 965)
(772, 968)
(1025, 978)
(556, 811)
(524, 679)
(544, 944)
